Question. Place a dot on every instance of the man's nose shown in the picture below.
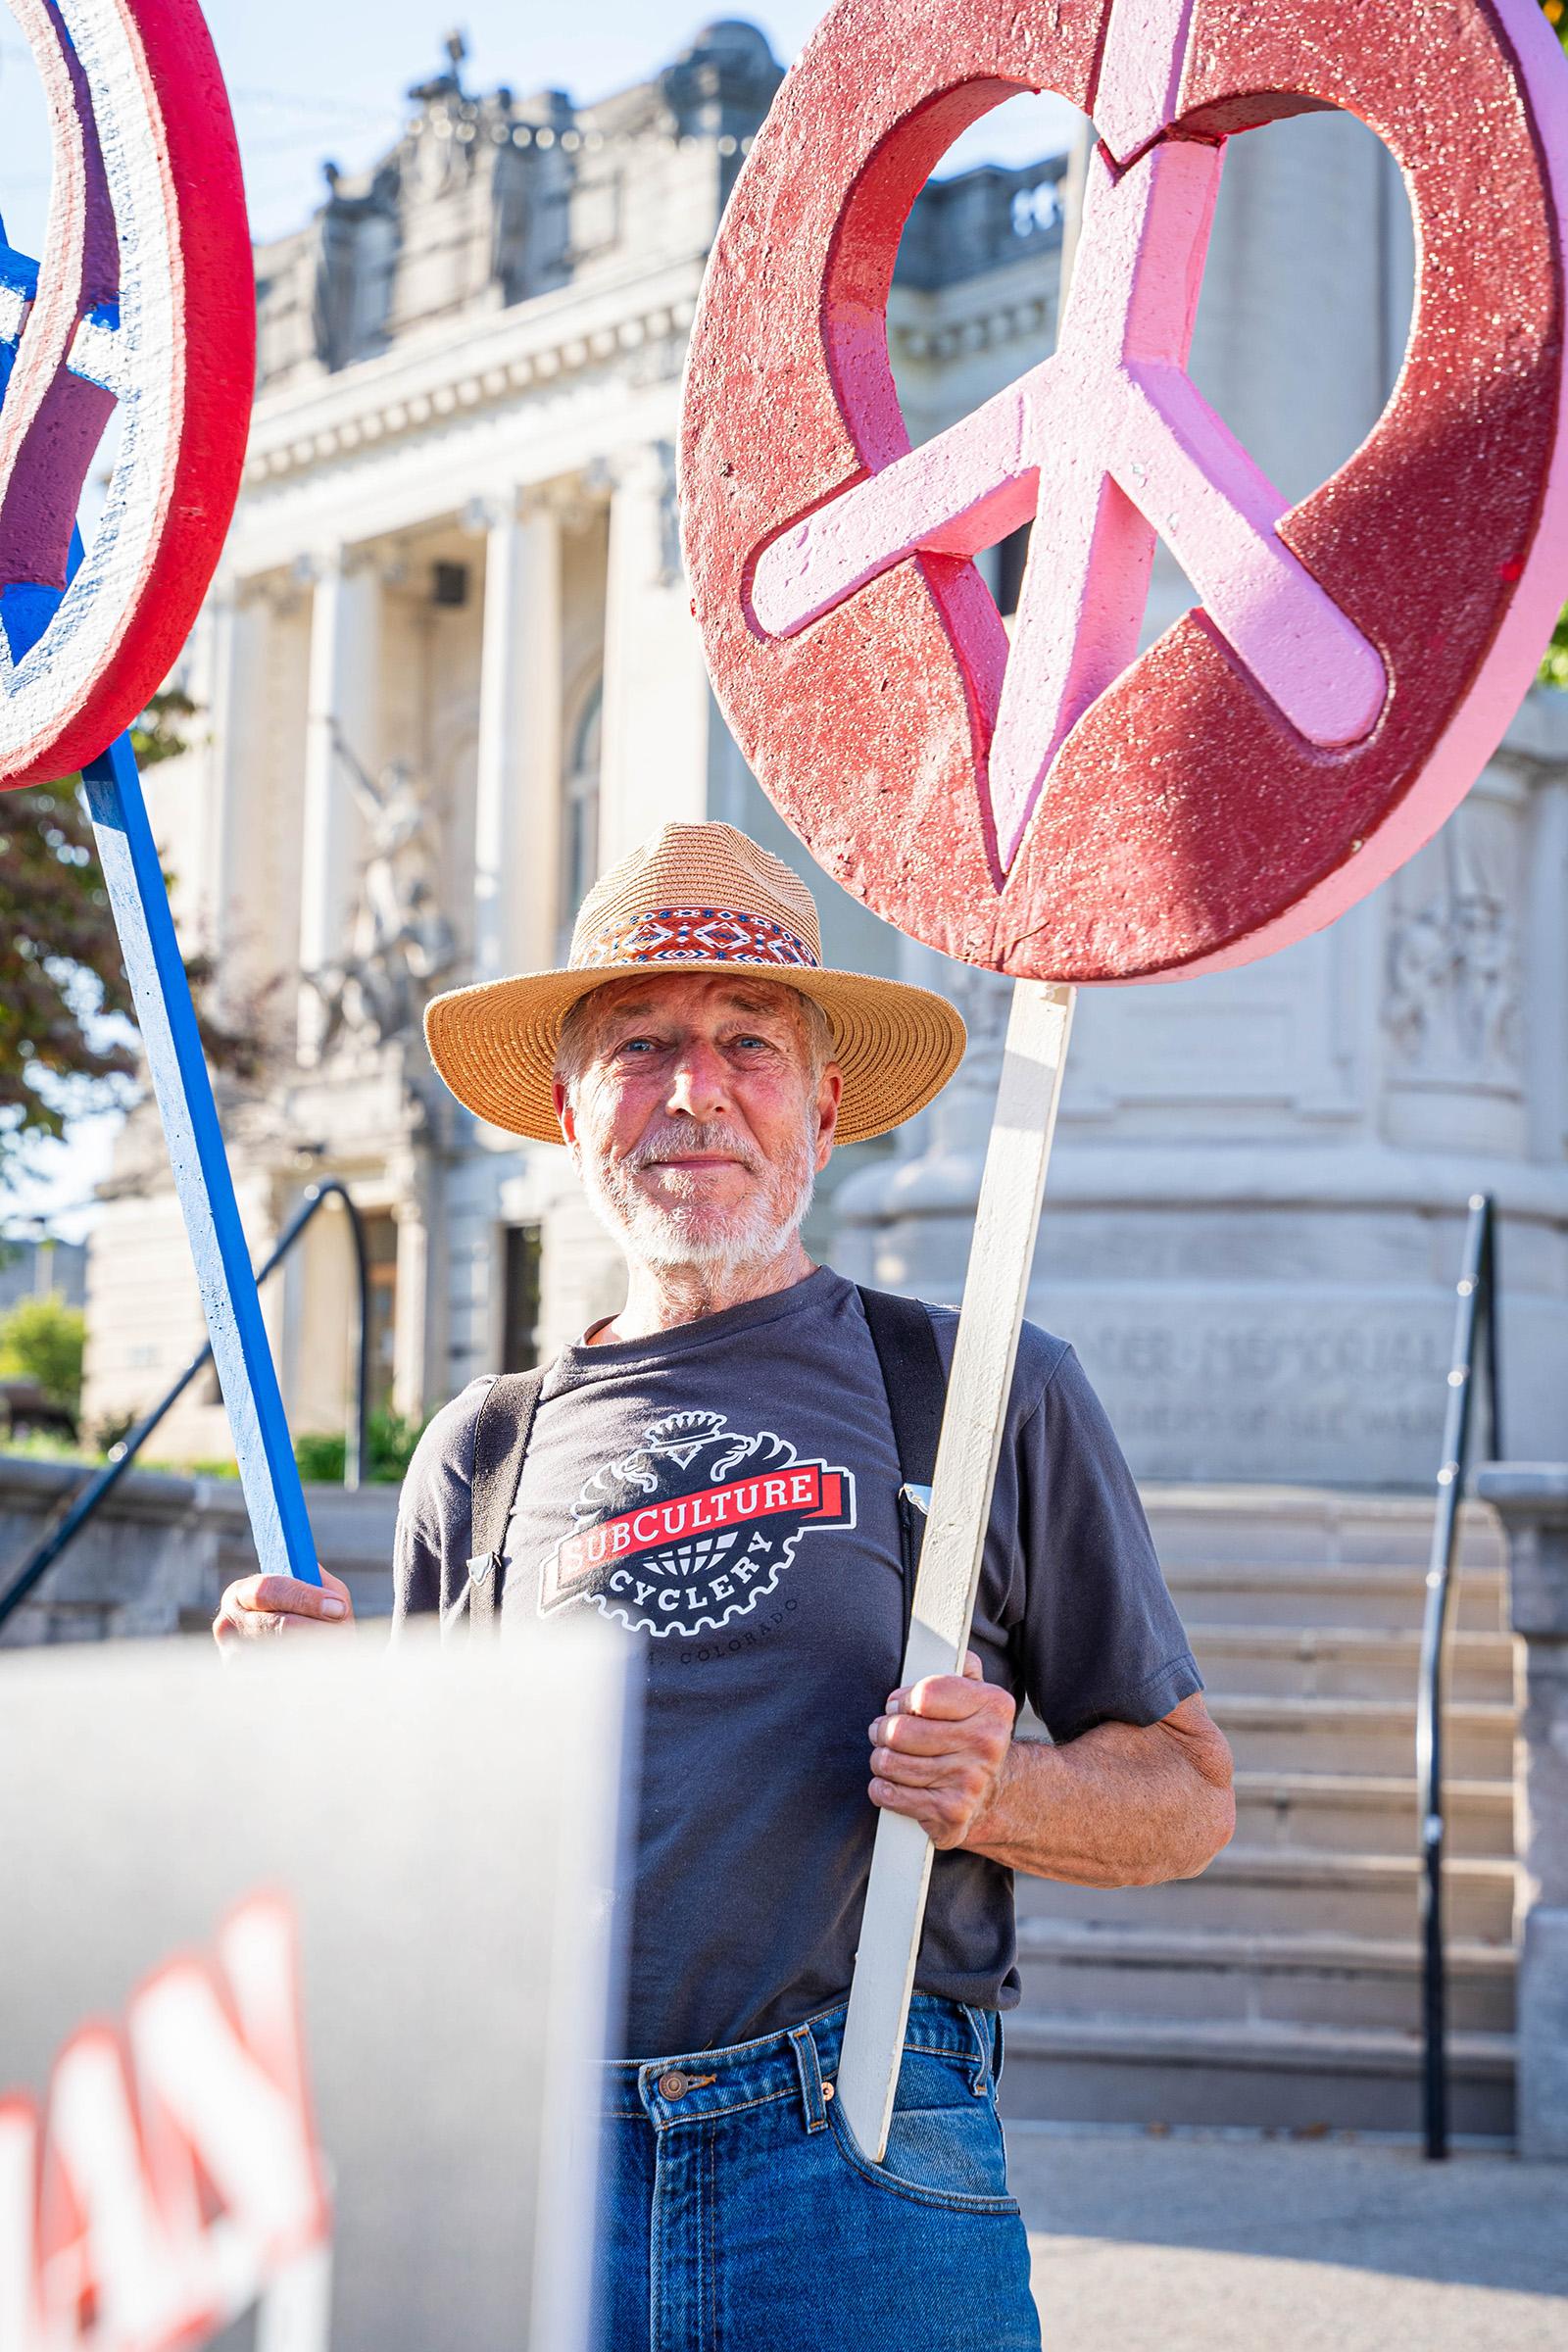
(700, 1086)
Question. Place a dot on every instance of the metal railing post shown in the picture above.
(1476, 1313)
(356, 1464)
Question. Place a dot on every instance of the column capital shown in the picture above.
(488, 512)
(644, 473)
(340, 560)
(646, 465)
(566, 501)
(567, 498)
(242, 592)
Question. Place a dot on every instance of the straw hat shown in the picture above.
(694, 899)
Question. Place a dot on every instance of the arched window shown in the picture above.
(579, 813)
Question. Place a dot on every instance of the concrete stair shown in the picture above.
(1283, 1989)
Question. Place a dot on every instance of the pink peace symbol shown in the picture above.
(1067, 808)
(143, 299)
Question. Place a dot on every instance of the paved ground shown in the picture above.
(1217, 2244)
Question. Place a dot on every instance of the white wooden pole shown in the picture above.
(1000, 1255)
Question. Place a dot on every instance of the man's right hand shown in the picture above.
(257, 1608)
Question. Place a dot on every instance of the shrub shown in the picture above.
(42, 1339)
(389, 1443)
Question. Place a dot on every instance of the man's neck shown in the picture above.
(662, 1298)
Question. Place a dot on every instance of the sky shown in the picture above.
(312, 79)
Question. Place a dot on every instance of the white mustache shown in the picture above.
(685, 1138)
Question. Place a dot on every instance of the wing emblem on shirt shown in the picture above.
(693, 1526)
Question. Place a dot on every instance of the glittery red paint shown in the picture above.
(1184, 823)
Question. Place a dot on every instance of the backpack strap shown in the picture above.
(501, 1437)
(917, 1394)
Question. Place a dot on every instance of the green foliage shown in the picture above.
(64, 1050)
(1554, 660)
(46, 1445)
(42, 1339)
(1555, 13)
(390, 1439)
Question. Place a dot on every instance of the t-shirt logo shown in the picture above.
(693, 1526)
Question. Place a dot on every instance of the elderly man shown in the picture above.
(720, 1468)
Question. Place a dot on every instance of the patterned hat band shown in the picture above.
(695, 935)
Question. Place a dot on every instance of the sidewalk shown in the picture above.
(1215, 2244)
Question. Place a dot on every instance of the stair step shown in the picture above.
(1369, 1813)
(1268, 1733)
(1347, 1662)
(1288, 2078)
(1390, 1599)
(1285, 1889)
(1219, 1976)
(1283, 1989)
(1309, 1527)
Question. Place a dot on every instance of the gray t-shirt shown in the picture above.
(727, 1492)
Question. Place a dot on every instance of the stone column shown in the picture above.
(234, 694)
(413, 1305)
(906, 1223)
(657, 703)
(1532, 1501)
(343, 699)
(518, 814)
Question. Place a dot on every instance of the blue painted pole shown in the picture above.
(134, 877)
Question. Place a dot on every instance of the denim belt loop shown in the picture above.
(984, 2046)
(808, 2066)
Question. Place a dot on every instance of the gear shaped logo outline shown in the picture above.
(693, 1526)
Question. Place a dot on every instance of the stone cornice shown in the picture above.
(1357, 1180)
(470, 365)
(934, 341)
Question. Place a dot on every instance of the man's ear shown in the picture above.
(562, 1097)
(829, 1095)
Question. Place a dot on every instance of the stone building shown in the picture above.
(449, 671)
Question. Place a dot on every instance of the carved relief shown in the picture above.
(1452, 1005)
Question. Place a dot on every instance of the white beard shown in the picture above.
(671, 1234)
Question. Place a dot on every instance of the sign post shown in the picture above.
(1007, 1221)
(1064, 808)
(143, 303)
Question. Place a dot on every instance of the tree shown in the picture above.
(62, 982)
(42, 1339)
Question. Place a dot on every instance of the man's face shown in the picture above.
(698, 1119)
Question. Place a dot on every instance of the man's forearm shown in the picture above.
(1121, 1807)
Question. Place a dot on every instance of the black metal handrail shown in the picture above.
(1475, 1323)
(78, 1508)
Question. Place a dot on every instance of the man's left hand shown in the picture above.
(940, 1751)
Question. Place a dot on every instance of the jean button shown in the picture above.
(674, 2084)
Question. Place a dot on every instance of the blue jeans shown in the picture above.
(737, 2213)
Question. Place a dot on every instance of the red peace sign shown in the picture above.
(1065, 809)
(144, 298)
